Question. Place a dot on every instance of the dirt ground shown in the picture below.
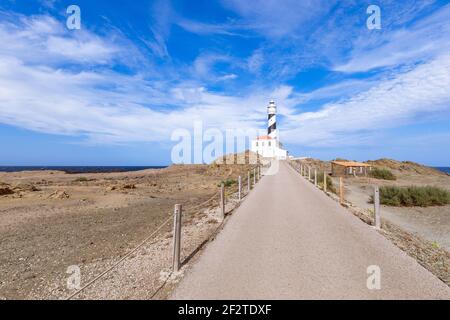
(431, 223)
(51, 220)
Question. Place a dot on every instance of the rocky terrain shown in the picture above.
(50, 220)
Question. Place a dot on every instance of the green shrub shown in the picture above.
(413, 196)
(330, 186)
(382, 174)
(228, 182)
(81, 179)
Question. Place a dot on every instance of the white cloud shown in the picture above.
(162, 16)
(256, 61)
(425, 39)
(391, 103)
(60, 102)
(207, 28)
(42, 38)
(277, 18)
(204, 67)
(37, 93)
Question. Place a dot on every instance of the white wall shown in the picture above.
(268, 149)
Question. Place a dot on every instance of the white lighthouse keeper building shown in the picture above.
(269, 146)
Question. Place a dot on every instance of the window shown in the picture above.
(270, 143)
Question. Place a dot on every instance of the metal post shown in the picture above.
(324, 181)
(315, 177)
(254, 176)
(240, 188)
(309, 173)
(177, 237)
(341, 190)
(376, 204)
(222, 200)
(248, 182)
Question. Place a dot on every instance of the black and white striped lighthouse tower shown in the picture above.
(272, 124)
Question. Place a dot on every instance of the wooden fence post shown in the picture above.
(177, 237)
(254, 176)
(341, 190)
(222, 200)
(325, 181)
(315, 177)
(301, 169)
(309, 173)
(376, 204)
(240, 188)
(249, 187)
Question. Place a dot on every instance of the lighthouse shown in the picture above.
(270, 146)
(272, 123)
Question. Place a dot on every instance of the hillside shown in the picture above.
(406, 167)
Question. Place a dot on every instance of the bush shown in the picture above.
(81, 179)
(413, 196)
(330, 186)
(228, 182)
(382, 174)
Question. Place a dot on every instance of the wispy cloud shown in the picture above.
(420, 41)
(162, 20)
(65, 83)
(275, 18)
(390, 103)
(228, 29)
(42, 39)
(102, 105)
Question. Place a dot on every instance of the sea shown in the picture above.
(444, 169)
(80, 169)
(103, 169)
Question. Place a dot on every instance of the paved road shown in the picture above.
(288, 240)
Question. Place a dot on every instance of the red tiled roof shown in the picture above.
(265, 138)
(351, 164)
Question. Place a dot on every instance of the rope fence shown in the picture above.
(313, 175)
(219, 199)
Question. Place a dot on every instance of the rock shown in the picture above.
(121, 187)
(60, 194)
(5, 190)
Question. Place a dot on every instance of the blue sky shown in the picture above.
(113, 92)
